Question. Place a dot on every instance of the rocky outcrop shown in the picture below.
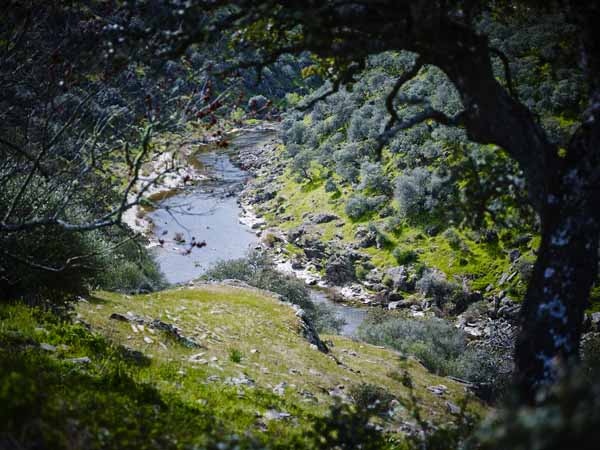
(339, 269)
(308, 331)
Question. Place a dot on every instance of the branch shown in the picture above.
(389, 101)
(427, 114)
(507, 72)
(314, 101)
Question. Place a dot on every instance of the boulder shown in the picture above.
(339, 270)
(323, 218)
(399, 278)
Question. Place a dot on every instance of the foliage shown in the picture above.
(566, 416)
(358, 206)
(369, 397)
(258, 270)
(434, 285)
(435, 342)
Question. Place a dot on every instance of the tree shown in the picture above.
(562, 185)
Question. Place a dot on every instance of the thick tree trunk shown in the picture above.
(566, 267)
(557, 295)
(566, 194)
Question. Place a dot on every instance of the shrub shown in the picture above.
(326, 319)
(454, 239)
(405, 256)
(372, 179)
(490, 371)
(566, 416)
(434, 341)
(258, 270)
(330, 186)
(419, 192)
(235, 355)
(433, 284)
(369, 397)
(359, 205)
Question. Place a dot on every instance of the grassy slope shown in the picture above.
(165, 397)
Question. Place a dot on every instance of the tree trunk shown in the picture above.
(566, 267)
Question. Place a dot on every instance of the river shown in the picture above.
(207, 217)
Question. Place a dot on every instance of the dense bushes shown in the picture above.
(442, 348)
(359, 206)
(258, 270)
(434, 341)
(566, 416)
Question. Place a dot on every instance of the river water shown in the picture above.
(208, 214)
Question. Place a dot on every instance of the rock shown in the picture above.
(148, 340)
(175, 333)
(295, 233)
(308, 331)
(297, 264)
(280, 388)
(47, 347)
(314, 250)
(399, 278)
(119, 317)
(213, 378)
(81, 360)
(439, 390)
(339, 270)
(452, 408)
(323, 218)
(394, 305)
(339, 392)
(514, 254)
(242, 380)
(595, 318)
(197, 357)
(365, 237)
(272, 414)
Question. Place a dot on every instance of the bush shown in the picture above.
(258, 270)
(405, 256)
(358, 206)
(454, 240)
(490, 371)
(235, 355)
(330, 186)
(566, 416)
(372, 179)
(433, 284)
(419, 192)
(435, 342)
(369, 397)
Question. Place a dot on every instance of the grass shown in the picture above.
(144, 389)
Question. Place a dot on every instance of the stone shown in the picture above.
(399, 278)
(242, 380)
(393, 305)
(81, 360)
(452, 408)
(47, 347)
(439, 390)
(196, 358)
(514, 254)
(272, 414)
(280, 388)
(339, 270)
(323, 218)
